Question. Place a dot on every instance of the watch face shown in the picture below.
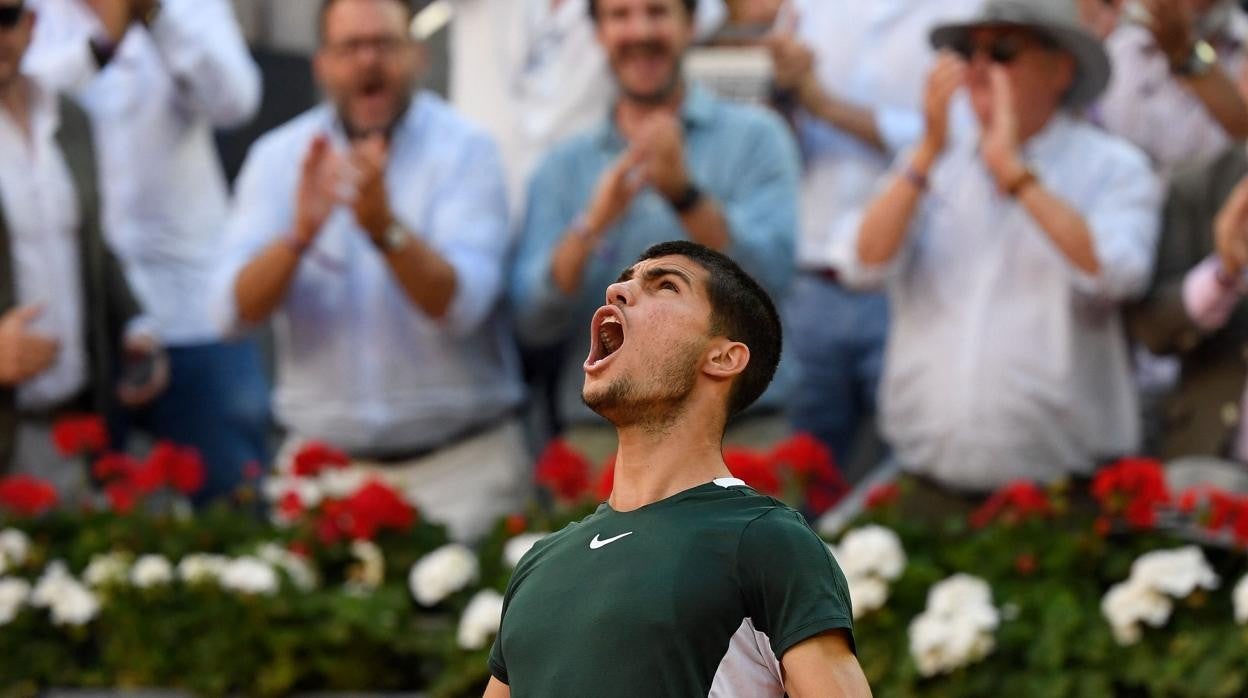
(1205, 53)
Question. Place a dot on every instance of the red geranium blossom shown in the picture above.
(1016, 502)
(563, 471)
(182, 468)
(813, 467)
(316, 456)
(881, 496)
(606, 480)
(24, 495)
(373, 508)
(122, 496)
(757, 472)
(80, 435)
(114, 466)
(1132, 489)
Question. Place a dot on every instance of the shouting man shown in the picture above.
(686, 582)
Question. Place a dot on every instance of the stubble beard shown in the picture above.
(658, 404)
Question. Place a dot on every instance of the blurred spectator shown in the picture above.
(380, 259)
(64, 301)
(1007, 252)
(157, 77)
(670, 162)
(855, 72)
(1195, 310)
(1175, 67)
(532, 72)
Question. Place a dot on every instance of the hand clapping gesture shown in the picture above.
(1230, 231)
(1000, 146)
(355, 179)
(946, 77)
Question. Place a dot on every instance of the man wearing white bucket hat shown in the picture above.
(1006, 251)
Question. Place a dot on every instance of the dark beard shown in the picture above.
(624, 403)
(664, 94)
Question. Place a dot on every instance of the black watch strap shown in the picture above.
(687, 199)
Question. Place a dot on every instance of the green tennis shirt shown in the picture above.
(698, 594)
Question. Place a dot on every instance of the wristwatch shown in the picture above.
(687, 199)
(394, 239)
(1200, 60)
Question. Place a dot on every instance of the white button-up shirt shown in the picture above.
(875, 55)
(155, 106)
(1004, 360)
(40, 208)
(358, 364)
(1145, 104)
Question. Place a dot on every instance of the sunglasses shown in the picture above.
(10, 15)
(1002, 50)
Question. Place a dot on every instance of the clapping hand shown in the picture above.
(321, 189)
(617, 187)
(793, 62)
(661, 141)
(946, 77)
(24, 354)
(1230, 230)
(116, 16)
(1172, 26)
(371, 202)
(1000, 146)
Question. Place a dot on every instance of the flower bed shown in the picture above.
(347, 588)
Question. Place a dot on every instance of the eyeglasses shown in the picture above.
(10, 15)
(384, 45)
(1002, 49)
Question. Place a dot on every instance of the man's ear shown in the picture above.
(726, 359)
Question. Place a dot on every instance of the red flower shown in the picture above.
(183, 468)
(80, 435)
(316, 456)
(881, 496)
(1133, 489)
(299, 548)
(113, 466)
(606, 480)
(1189, 499)
(121, 497)
(1101, 526)
(516, 524)
(24, 495)
(147, 478)
(290, 506)
(813, 467)
(563, 471)
(1016, 502)
(757, 471)
(1025, 564)
(373, 508)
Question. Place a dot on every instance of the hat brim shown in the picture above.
(1092, 62)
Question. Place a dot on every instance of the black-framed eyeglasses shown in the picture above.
(1002, 49)
(384, 45)
(10, 15)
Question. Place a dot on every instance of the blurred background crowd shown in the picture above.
(1010, 238)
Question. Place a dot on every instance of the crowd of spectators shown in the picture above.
(1018, 228)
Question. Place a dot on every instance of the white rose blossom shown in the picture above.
(68, 601)
(151, 571)
(54, 579)
(481, 620)
(340, 483)
(107, 569)
(1240, 598)
(202, 568)
(250, 575)
(1133, 602)
(1176, 573)
(871, 551)
(957, 628)
(14, 548)
(308, 490)
(14, 593)
(442, 573)
(866, 594)
(516, 548)
(295, 566)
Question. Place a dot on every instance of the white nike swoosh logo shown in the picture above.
(595, 543)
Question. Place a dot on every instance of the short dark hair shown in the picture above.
(741, 311)
(691, 6)
(326, 4)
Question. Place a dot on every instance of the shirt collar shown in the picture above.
(1050, 138)
(696, 111)
(407, 125)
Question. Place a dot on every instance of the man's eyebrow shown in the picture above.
(626, 275)
(659, 272)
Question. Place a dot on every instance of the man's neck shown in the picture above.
(630, 113)
(15, 99)
(652, 465)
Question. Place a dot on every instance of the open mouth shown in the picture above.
(606, 337)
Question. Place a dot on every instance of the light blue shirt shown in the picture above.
(1004, 360)
(741, 156)
(358, 365)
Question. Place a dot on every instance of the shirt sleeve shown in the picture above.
(543, 312)
(471, 232)
(792, 586)
(762, 212)
(1209, 302)
(203, 48)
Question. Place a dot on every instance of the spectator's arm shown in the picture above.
(761, 216)
(1222, 99)
(887, 220)
(203, 48)
(542, 309)
(465, 256)
(859, 122)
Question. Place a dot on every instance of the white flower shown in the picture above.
(202, 568)
(872, 551)
(957, 627)
(75, 605)
(518, 546)
(959, 593)
(481, 620)
(1240, 598)
(107, 569)
(51, 584)
(14, 548)
(370, 570)
(340, 483)
(866, 594)
(442, 573)
(250, 575)
(150, 571)
(295, 566)
(13, 595)
(1130, 603)
(308, 490)
(1176, 573)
